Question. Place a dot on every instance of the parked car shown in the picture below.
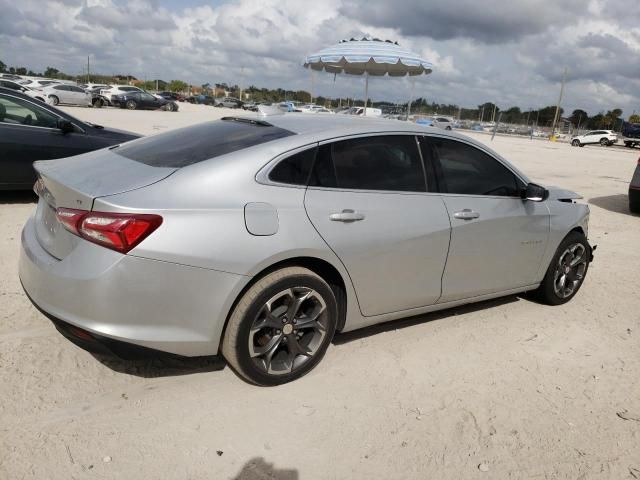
(93, 86)
(143, 101)
(313, 240)
(359, 111)
(11, 85)
(118, 90)
(634, 190)
(229, 102)
(314, 109)
(39, 84)
(173, 96)
(31, 130)
(443, 122)
(10, 76)
(67, 94)
(603, 137)
(631, 134)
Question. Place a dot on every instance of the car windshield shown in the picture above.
(190, 145)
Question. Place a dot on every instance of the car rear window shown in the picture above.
(190, 145)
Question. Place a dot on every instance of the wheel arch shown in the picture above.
(324, 269)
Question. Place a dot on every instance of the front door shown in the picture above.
(28, 133)
(497, 239)
(367, 198)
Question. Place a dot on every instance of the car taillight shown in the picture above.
(117, 231)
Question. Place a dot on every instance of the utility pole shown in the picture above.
(555, 118)
(493, 115)
(88, 77)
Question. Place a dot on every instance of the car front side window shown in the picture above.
(16, 111)
(386, 162)
(467, 170)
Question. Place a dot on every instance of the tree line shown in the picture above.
(487, 111)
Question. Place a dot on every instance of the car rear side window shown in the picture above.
(386, 162)
(294, 170)
(468, 170)
(186, 146)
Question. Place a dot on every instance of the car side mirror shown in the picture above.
(65, 126)
(535, 193)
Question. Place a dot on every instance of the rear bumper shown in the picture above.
(154, 304)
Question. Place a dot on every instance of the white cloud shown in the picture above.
(482, 51)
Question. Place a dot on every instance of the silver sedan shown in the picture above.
(260, 238)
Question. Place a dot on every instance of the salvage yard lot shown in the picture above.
(521, 389)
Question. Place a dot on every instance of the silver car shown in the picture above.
(260, 238)
(67, 94)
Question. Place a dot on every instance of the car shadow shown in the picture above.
(158, 364)
(259, 469)
(22, 196)
(613, 203)
(342, 338)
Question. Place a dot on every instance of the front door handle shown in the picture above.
(346, 215)
(466, 214)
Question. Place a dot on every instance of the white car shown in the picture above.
(359, 111)
(39, 84)
(69, 94)
(10, 84)
(442, 122)
(118, 90)
(603, 137)
(314, 109)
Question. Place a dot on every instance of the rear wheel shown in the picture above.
(54, 100)
(131, 105)
(604, 142)
(567, 271)
(281, 327)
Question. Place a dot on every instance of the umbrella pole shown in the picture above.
(413, 84)
(366, 92)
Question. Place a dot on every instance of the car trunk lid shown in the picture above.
(75, 182)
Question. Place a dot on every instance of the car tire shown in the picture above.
(575, 143)
(263, 344)
(448, 128)
(604, 142)
(131, 105)
(54, 100)
(554, 290)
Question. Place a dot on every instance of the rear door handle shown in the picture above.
(466, 214)
(346, 215)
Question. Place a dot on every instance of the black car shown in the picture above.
(634, 190)
(201, 99)
(31, 130)
(173, 96)
(143, 101)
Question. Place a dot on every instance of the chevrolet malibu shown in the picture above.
(260, 238)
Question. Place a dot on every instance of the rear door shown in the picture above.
(497, 239)
(367, 198)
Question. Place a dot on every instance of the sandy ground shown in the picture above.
(506, 389)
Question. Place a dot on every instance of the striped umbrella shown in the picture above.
(368, 57)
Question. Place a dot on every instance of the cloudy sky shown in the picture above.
(511, 52)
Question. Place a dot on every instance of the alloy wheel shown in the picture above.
(570, 270)
(288, 330)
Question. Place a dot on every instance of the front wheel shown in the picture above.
(567, 271)
(575, 143)
(54, 100)
(281, 327)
